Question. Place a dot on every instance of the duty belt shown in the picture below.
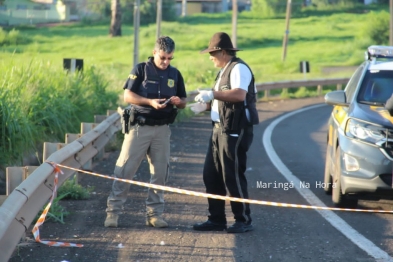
(141, 120)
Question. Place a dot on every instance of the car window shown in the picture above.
(352, 84)
(377, 87)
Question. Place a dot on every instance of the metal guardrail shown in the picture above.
(319, 83)
(22, 205)
(267, 86)
(300, 83)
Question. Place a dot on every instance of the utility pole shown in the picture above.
(159, 18)
(286, 35)
(183, 8)
(234, 23)
(391, 23)
(136, 31)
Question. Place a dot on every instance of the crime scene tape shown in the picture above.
(206, 195)
(41, 220)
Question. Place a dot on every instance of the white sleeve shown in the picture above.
(240, 77)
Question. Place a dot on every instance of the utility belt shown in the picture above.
(132, 117)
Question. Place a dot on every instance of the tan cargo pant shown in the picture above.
(141, 141)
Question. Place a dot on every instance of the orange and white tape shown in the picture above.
(41, 220)
(250, 201)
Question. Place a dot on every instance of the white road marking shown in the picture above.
(353, 235)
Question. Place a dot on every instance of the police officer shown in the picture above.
(148, 87)
(233, 112)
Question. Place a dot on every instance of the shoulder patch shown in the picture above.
(131, 76)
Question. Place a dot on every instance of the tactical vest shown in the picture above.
(157, 84)
(233, 115)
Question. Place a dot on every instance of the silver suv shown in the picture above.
(360, 133)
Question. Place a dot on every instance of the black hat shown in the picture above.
(220, 41)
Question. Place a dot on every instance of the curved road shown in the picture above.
(304, 166)
(289, 146)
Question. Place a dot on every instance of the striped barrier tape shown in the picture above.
(41, 220)
(206, 195)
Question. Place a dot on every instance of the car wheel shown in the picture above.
(328, 174)
(338, 198)
(336, 189)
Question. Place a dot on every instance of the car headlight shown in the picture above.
(365, 131)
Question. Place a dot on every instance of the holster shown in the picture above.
(127, 119)
(173, 115)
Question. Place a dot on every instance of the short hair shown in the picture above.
(165, 43)
(231, 52)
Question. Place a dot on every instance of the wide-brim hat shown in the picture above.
(220, 41)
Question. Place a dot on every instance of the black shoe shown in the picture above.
(209, 226)
(240, 227)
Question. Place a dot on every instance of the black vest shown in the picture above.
(233, 115)
(157, 84)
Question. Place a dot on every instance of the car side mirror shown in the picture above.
(337, 97)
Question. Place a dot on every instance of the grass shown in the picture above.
(70, 189)
(323, 40)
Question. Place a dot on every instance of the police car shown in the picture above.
(360, 133)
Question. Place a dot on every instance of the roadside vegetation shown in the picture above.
(40, 103)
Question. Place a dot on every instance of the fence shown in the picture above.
(32, 16)
(25, 201)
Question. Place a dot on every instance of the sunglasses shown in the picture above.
(214, 53)
(163, 58)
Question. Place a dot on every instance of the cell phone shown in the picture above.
(166, 101)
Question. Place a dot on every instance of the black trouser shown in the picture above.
(224, 169)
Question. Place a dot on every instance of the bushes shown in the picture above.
(40, 103)
(148, 10)
(376, 31)
(13, 37)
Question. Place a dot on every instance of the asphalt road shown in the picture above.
(286, 148)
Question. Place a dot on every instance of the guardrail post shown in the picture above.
(86, 127)
(14, 177)
(267, 93)
(69, 138)
(98, 119)
(319, 90)
(50, 148)
(112, 140)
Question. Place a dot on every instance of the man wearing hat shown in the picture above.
(233, 113)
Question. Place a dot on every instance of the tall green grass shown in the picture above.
(41, 103)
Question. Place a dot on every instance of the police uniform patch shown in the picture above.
(171, 82)
(131, 76)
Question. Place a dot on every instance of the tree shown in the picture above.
(115, 28)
